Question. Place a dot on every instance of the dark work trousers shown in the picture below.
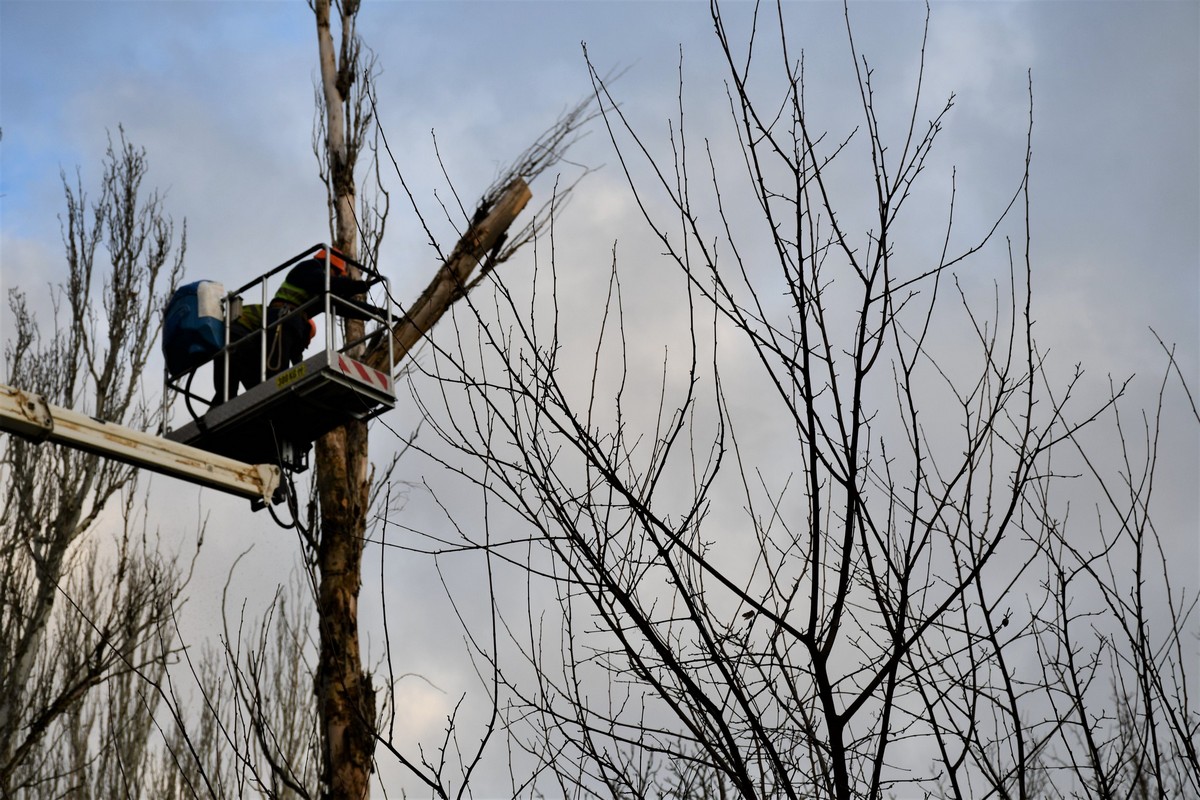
(286, 341)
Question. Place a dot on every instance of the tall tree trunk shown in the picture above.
(345, 696)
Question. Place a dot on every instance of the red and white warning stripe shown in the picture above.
(371, 377)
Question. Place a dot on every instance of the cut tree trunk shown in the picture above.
(485, 234)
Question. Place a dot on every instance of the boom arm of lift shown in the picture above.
(30, 416)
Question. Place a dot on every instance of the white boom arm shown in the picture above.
(30, 416)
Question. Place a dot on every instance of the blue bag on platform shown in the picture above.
(193, 328)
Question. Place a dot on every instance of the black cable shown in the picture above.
(291, 498)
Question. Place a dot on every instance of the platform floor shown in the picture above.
(291, 410)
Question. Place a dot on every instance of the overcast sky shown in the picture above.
(221, 96)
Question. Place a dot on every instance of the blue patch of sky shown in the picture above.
(71, 71)
(59, 60)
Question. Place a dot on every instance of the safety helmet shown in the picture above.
(337, 263)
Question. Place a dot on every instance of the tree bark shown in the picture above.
(345, 696)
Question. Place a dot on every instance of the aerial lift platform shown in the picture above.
(277, 420)
(248, 443)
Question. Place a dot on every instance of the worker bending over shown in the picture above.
(289, 331)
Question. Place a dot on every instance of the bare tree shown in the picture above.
(881, 597)
(346, 697)
(251, 728)
(77, 614)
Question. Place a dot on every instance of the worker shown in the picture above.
(290, 327)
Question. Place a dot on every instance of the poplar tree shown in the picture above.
(345, 694)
